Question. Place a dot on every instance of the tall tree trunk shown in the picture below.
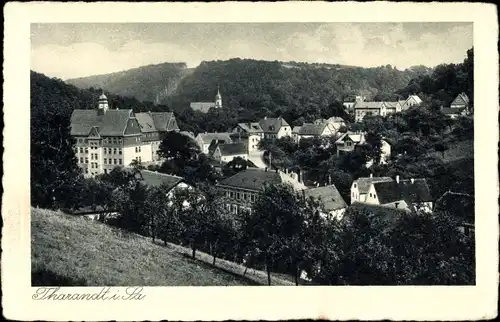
(193, 255)
(246, 268)
(297, 275)
(213, 263)
(268, 275)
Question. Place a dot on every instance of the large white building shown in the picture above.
(107, 138)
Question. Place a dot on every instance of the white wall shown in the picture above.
(371, 196)
(253, 142)
(284, 131)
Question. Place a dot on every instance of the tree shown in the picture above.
(178, 147)
(441, 146)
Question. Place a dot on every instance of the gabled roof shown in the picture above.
(460, 205)
(251, 127)
(356, 137)
(203, 107)
(415, 97)
(228, 149)
(156, 179)
(207, 138)
(188, 134)
(272, 125)
(375, 105)
(329, 196)
(256, 178)
(461, 99)
(335, 119)
(296, 129)
(410, 192)
(312, 129)
(392, 104)
(365, 183)
(111, 123)
(164, 121)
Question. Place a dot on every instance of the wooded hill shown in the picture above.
(146, 83)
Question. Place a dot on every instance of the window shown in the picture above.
(106, 171)
(119, 161)
(81, 150)
(105, 161)
(140, 159)
(232, 194)
(119, 151)
(135, 149)
(86, 150)
(244, 196)
(114, 151)
(81, 159)
(86, 160)
(238, 195)
(370, 194)
(86, 170)
(114, 161)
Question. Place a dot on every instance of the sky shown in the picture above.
(70, 50)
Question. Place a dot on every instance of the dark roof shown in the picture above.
(365, 183)
(256, 178)
(207, 138)
(461, 99)
(203, 107)
(461, 205)
(312, 129)
(164, 121)
(391, 191)
(251, 127)
(329, 196)
(388, 214)
(156, 179)
(111, 123)
(233, 148)
(363, 104)
(272, 125)
(449, 110)
(146, 122)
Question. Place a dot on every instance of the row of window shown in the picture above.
(112, 151)
(108, 161)
(137, 149)
(241, 195)
(234, 208)
(94, 165)
(94, 156)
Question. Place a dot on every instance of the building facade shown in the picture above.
(275, 128)
(251, 133)
(204, 107)
(106, 138)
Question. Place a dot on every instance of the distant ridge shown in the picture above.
(146, 83)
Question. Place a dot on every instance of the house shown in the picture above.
(250, 132)
(242, 188)
(393, 107)
(459, 107)
(350, 101)
(349, 141)
(352, 141)
(106, 138)
(461, 101)
(204, 107)
(460, 205)
(98, 212)
(386, 214)
(362, 109)
(410, 194)
(361, 186)
(205, 139)
(335, 123)
(226, 152)
(312, 130)
(275, 128)
(411, 101)
(330, 198)
(154, 126)
(295, 133)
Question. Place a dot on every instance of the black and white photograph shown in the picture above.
(208, 154)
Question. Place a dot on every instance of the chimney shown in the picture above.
(371, 175)
(412, 180)
(329, 180)
(397, 179)
(265, 117)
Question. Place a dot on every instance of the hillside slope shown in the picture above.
(73, 251)
(147, 83)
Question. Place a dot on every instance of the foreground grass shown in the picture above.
(73, 251)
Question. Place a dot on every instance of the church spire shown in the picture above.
(218, 99)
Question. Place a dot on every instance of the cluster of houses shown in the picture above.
(359, 107)
(106, 138)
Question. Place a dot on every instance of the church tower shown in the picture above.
(218, 99)
(102, 106)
